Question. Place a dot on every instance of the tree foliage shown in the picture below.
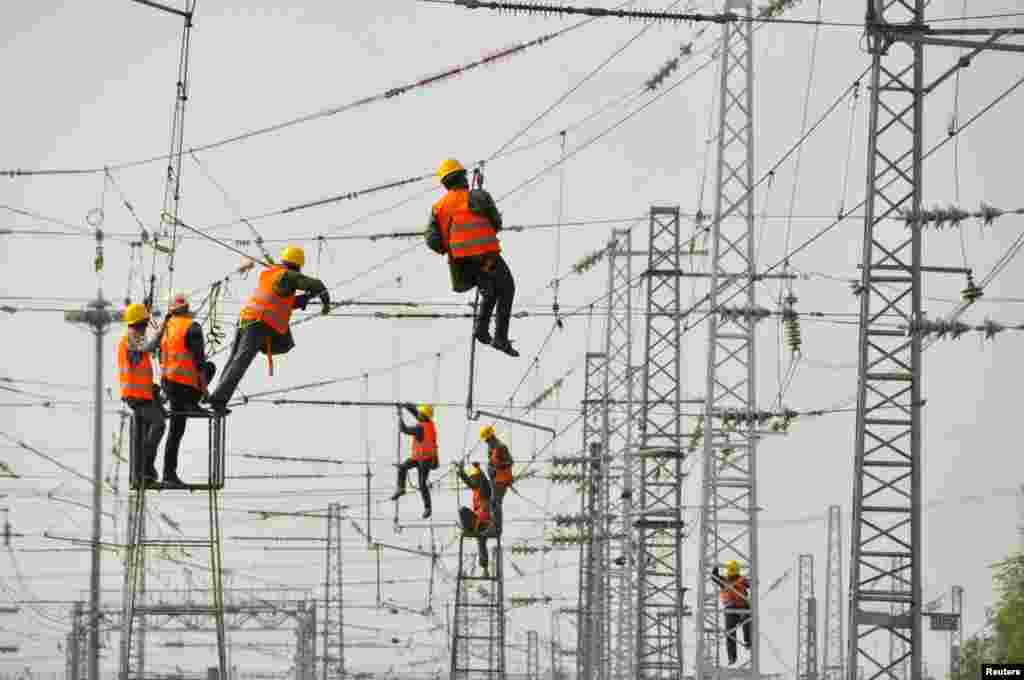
(1002, 640)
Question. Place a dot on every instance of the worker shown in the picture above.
(186, 377)
(478, 521)
(263, 324)
(499, 469)
(424, 451)
(140, 392)
(465, 225)
(736, 602)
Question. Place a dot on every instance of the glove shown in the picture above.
(301, 301)
(325, 300)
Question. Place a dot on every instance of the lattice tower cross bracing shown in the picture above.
(728, 529)
(618, 466)
(832, 653)
(885, 613)
(588, 638)
(658, 506)
(956, 637)
(807, 621)
(333, 666)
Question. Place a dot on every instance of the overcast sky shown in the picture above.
(88, 85)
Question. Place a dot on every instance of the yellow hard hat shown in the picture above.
(732, 568)
(294, 255)
(474, 470)
(178, 301)
(136, 313)
(486, 432)
(426, 410)
(448, 167)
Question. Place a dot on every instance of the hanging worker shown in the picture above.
(424, 452)
(734, 590)
(140, 392)
(263, 323)
(465, 225)
(477, 522)
(499, 469)
(186, 377)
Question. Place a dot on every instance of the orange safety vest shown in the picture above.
(426, 449)
(137, 380)
(482, 507)
(267, 306)
(466, 233)
(734, 592)
(177, 362)
(502, 470)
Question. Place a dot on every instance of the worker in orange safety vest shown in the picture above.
(734, 591)
(140, 392)
(424, 452)
(499, 468)
(264, 322)
(186, 375)
(477, 522)
(464, 224)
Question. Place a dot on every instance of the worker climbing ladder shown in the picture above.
(478, 624)
(136, 609)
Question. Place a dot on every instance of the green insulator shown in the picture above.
(793, 337)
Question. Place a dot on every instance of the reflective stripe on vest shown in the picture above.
(136, 381)
(176, 361)
(266, 305)
(466, 233)
(734, 593)
(426, 449)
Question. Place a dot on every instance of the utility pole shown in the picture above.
(98, 318)
(593, 414)
(334, 617)
(728, 526)
(532, 655)
(832, 662)
(956, 636)
(807, 621)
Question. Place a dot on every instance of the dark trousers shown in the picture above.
(497, 290)
(181, 398)
(734, 620)
(423, 479)
(468, 520)
(247, 344)
(150, 423)
(497, 498)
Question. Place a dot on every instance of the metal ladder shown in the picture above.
(134, 606)
(478, 624)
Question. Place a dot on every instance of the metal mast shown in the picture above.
(532, 655)
(478, 623)
(334, 618)
(729, 490)
(658, 517)
(956, 637)
(305, 643)
(588, 637)
(887, 445)
(807, 621)
(98, 318)
(832, 662)
(617, 438)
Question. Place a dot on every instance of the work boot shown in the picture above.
(397, 494)
(503, 345)
(172, 481)
(426, 512)
(482, 335)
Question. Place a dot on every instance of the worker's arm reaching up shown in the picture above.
(292, 281)
(466, 479)
(415, 431)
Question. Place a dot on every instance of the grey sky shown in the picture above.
(90, 84)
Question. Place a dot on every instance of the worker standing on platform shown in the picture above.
(499, 469)
(465, 225)
(139, 390)
(186, 376)
(263, 324)
(478, 521)
(424, 452)
(735, 591)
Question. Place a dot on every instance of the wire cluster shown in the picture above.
(954, 330)
(938, 217)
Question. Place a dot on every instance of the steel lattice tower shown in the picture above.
(133, 635)
(532, 655)
(898, 647)
(587, 637)
(729, 487)
(658, 513)
(478, 630)
(807, 621)
(832, 660)
(333, 667)
(887, 446)
(305, 643)
(618, 466)
(956, 637)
